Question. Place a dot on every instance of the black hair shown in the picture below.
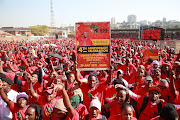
(25, 75)
(35, 73)
(150, 60)
(168, 72)
(23, 67)
(118, 81)
(47, 60)
(39, 112)
(125, 105)
(6, 69)
(127, 100)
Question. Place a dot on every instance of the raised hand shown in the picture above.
(39, 65)
(58, 87)
(111, 70)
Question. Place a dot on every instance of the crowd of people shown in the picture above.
(35, 85)
(134, 35)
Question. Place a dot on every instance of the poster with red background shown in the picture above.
(93, 45)
(151, 34)
(150, 53)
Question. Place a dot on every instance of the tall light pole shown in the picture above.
(52, 25)
(52, 15)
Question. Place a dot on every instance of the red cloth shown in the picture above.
(97, 90)
(15, 109)
(42, 101)
(91, 118)
(118, 117)
(82, 110)
(150, 111)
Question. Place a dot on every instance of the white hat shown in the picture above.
(95, 103)
(163, 82)
(120, 71)
(156, 62)
(22, 95)
(123, 48)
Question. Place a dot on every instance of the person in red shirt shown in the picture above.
(63, 110)
(18, 109)
(84, 40)
(91, 88)
(95, 109)
(147, 64)
(175, 93)
(36, 82)
(115, 105)
(168, 112)
(165, 71)
(165, 91)
(156, 76)
(129, 69)
(151, 109)
(79, 107)
(126, 113)
(47, 102)
(137, 80)
(137, 63)
(34, 112)
(155, 65)
(144, 91)
(110, 92)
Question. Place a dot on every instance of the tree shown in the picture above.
(39, 30)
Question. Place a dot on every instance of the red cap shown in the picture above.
(155, 88)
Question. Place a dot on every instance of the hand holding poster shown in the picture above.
(93, 45)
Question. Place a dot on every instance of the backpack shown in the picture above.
(87, 117)
(144, 104)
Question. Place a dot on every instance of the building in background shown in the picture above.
(58, 32)
(131, 19)
(113, 21)
(17, 31)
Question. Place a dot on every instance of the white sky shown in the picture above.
(24, 13)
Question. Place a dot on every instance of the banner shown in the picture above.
(150, 53)
(93, 45)
(151, 34)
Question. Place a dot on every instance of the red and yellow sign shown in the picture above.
(93, 45)
(150, 53)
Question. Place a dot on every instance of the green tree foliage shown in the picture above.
(39, 30)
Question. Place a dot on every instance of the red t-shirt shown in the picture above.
(36, 86)
(150, 111)
(140, 82)
(82, 110)
(109, 92)
(85, 42)
(11, 76)
(75, 117)
(177, 99)
(132, 70)
(91, 118)
(97, 90)
(46, 106)
(142, 91)
(177, 84)
(166, 95)
(115, 108)
(118, 117)
(17, 111)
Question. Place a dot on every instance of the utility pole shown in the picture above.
(52, 24)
